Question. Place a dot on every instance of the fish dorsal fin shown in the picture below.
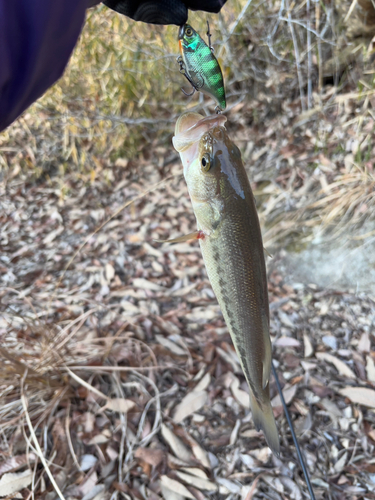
(267, 357)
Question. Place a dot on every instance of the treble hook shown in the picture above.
(183, 72)
(191, 93)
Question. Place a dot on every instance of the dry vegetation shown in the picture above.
(119, 379)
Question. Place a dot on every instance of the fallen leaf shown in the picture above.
(364, 344)
(340, 464)
(370, 369)
(109, 272)
(16, 462)
(87, 461)
(287, 342)
(88, 484)
(146, 285)
(288, 393)
(13, 482)
(170, 345)
(176, 445)
(359, 395)
(197, 482)
(150, 455)
(308, 348)
(199, 453)
(203, 383)
(241, 396)
(191, 403)
(121, 405)
(340, 366)
(176, 487)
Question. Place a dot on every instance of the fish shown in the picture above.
(230, 239)
(200, 65)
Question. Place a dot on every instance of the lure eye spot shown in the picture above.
(189, 32)
(206, 162)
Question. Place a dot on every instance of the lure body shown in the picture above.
(201, 66)
(231, 243)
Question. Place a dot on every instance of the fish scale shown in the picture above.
(231, 243)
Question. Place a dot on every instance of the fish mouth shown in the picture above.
(190, 127)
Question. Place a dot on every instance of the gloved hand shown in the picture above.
(162, 11)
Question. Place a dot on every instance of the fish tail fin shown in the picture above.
(264, 419)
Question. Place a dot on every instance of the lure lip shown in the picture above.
(181, 31)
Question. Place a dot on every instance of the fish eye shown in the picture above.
(189, 31)
(206, 162)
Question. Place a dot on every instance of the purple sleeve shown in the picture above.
(36, 40)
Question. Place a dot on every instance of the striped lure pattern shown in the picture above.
(200, 66)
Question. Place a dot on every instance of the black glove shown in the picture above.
(162, 11)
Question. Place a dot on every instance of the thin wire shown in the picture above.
(296, 444)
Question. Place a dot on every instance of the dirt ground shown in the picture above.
(118, 371)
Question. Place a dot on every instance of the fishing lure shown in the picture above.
(199, 65)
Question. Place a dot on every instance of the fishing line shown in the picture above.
(295, 440)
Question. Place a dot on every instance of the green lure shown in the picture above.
(199, 65)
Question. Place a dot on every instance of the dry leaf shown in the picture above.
(359, 395)
(191, 403)
(203, 383)
(176, 487)
(340, 464)
(197, 482)
(370, 369)
(150, 455)
(177, 446)
(288, 393)
(146, 285)
(170, 345)
(16, 462)
(13, 482)
(88, 484)
(120, 405)
(340, 366)
(241, 396)
(308, 348)
(109, 272)
(199, 453)
(87, 461)
(287, 342)
(194, 471)
(364, 344)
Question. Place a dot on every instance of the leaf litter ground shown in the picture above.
(119, 378)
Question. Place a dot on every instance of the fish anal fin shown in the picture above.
(267, 355)
(196, 235)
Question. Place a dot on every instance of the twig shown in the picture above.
(36, 443)
(70, 444)
(298, 65)
(350, 11)
(86, 385)
(300, 23)
(295, 440)
(309, 58)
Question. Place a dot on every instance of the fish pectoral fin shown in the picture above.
(267, 252)
(196, 235)
(267, 358)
